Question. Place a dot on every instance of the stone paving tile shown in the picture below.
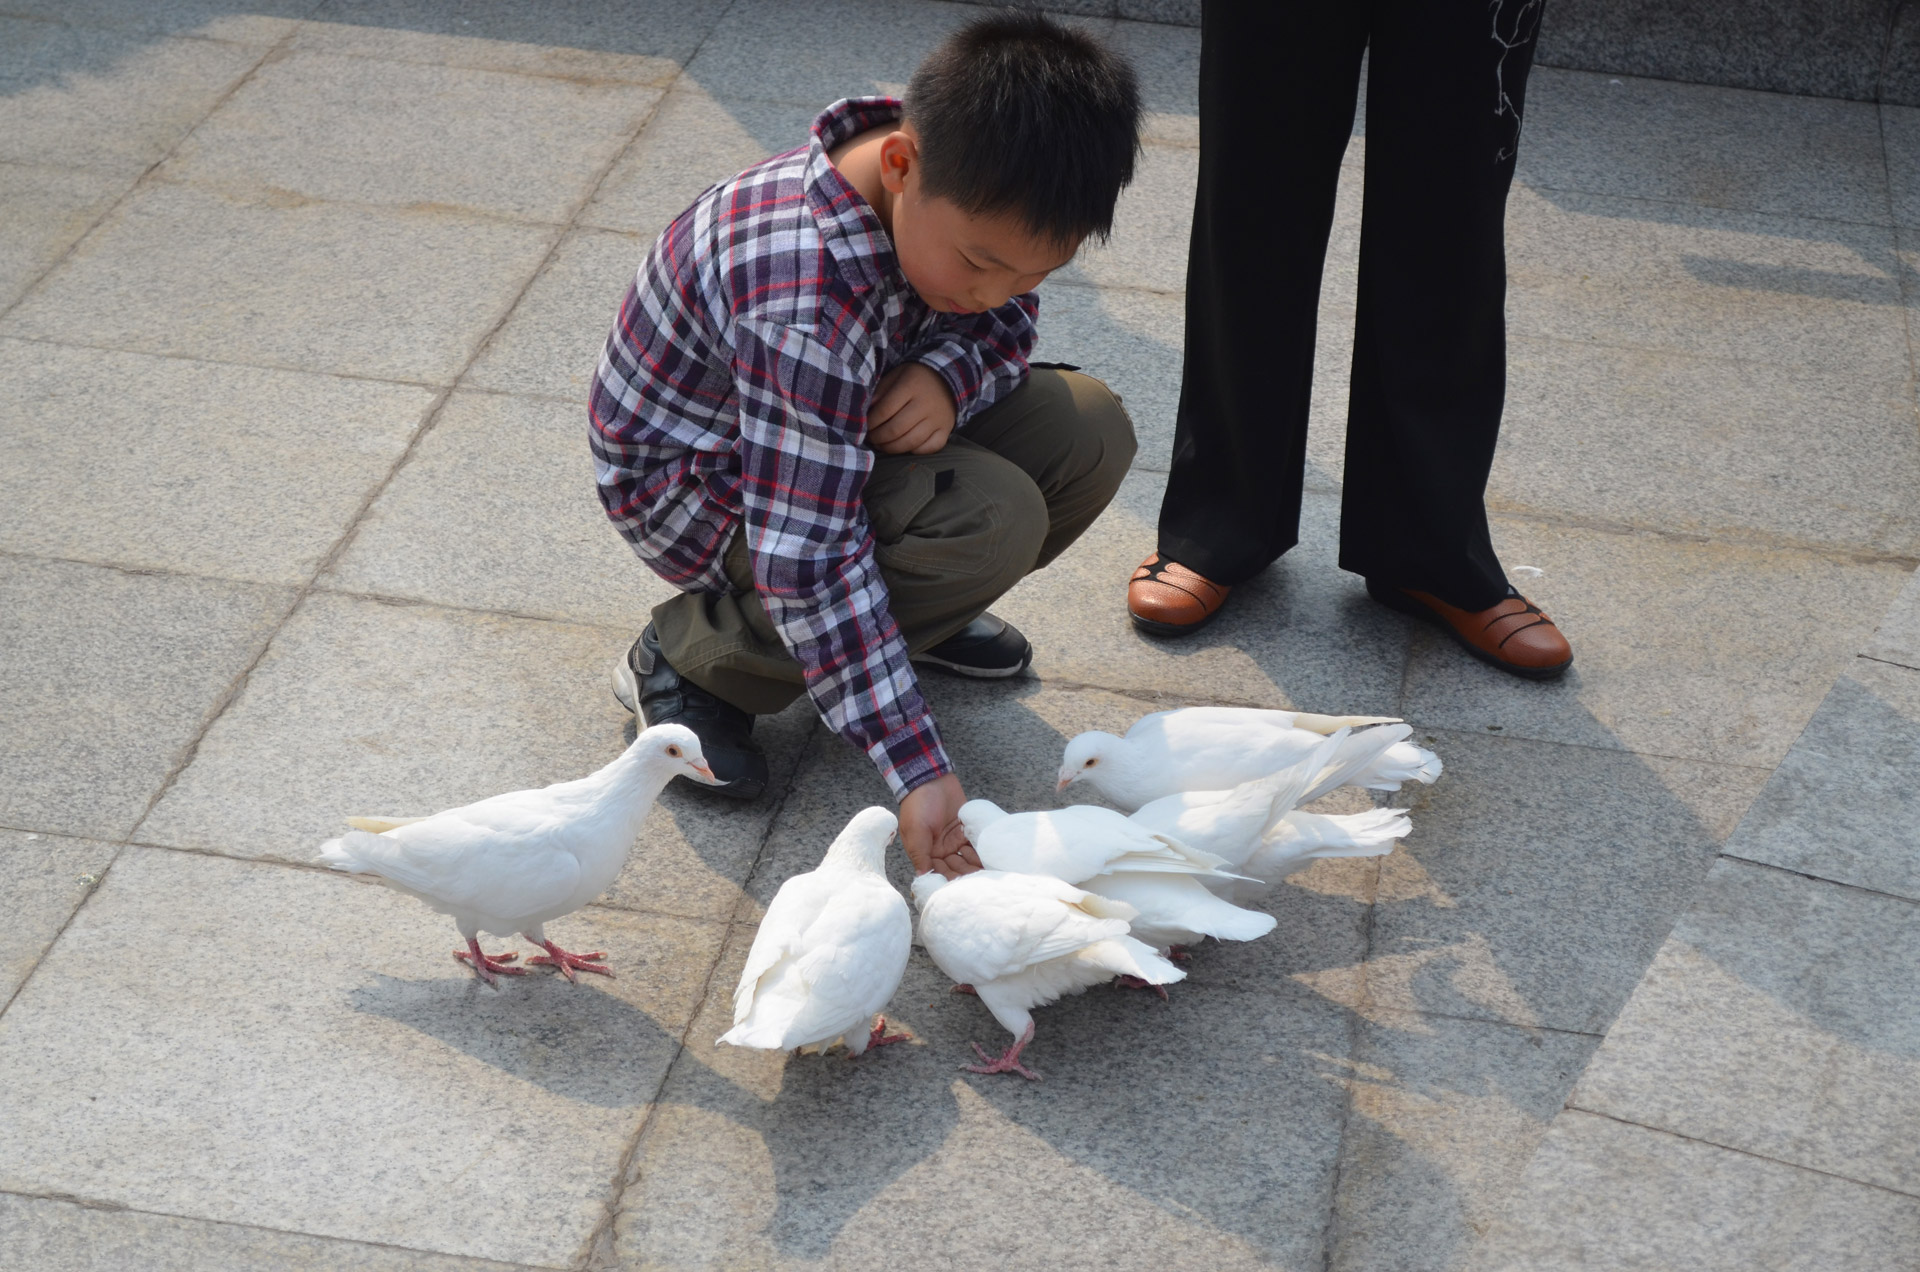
(1901, 125)
(1777, 1020)
(1843, 805)
(332, 1071)
(403, 710)
(1446, 1114)
(41, 877)
(693, 140)
(1151, 226)
(759, 49)
(551, 343)
(259, 22)
(1303, 634)
(402, 294)
(1195, 1133)
(1770, 289)
(51, 1235)
(1898, 638)
(106, 677)
(1735, 452)
(1605, 1197)
(1710, 651)
(1694, 143)
(638, 41)
(1538, 881)
(108, 101)
(46, 210)
(319, 126)
(1167, 59)
(495, 510)
(239, 472)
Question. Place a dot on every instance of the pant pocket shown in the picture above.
(897, 493)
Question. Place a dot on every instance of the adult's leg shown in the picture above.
(1446, 87)
(1277, 90)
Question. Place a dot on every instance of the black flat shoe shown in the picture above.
(647, 685)
(988, 648)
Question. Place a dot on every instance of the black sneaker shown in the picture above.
(649, 687)
(988, 648)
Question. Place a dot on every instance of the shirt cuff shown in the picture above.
(956, 366)
(910, 756)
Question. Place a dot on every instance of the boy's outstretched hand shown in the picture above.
(912, 413)
(930, 829)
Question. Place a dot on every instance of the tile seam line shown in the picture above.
(583, 81)
(354, 376)
(141, 181)
(1818, 878)
(119, 850)
(604, 1237)
(1888, 662)
(256, 193)
(429, 418)
(114, 1207)
(1744, 1152)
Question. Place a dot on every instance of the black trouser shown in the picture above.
(1446, 82)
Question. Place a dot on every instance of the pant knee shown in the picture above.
(1106, 444)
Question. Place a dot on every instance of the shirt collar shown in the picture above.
(848, 224)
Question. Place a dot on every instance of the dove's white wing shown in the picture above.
(1176, 909)
(989, 924)
(466, 868)
(830, 976)
(795, 906)
(1352, 763)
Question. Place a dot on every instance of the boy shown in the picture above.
(816, 418)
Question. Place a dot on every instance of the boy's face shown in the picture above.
(959, 262)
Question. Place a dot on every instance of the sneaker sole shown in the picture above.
(626, 689)
(976, 673)
(1414, 609)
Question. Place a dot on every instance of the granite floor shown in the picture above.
(299, 300)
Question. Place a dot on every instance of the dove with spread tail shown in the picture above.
(830, 952)
(1218, 748)
(1022, 941)
(515, 862)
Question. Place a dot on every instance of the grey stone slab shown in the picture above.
(1705, 650)
(160, 463)
(495, 510)
(1200, 1133)
(1901, 125)
(760, 49)
(321, 126)
(54, 1235)
(639, 41)
(693, 140)
(1539, 880)
(1777, 1020)
(46, 211)
(257, 22)
(110, 101)
(1151, 226)
(1606, 1197)
(1898, 638)
(1445, 1115)
(1180, 12)
(106, 677)
(551, 343)
(1302, 634)
(333, 1072)
(1843, 805)
(1720, 147)
(1736, 455)
(1752, 286)
(403, 710)
(42, 878)
(405, 294)
(1168, 63)
(1826, 49)
(1900, 71)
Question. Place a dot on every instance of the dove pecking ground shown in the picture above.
(298, 305)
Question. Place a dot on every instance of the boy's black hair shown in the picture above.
(1019, 114)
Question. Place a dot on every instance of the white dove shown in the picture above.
(1300, 838)
(1074, 844)
(514, 862)
(1216, 748)
(830, 952)
(1022, 941)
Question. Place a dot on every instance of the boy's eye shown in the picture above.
(974, 265)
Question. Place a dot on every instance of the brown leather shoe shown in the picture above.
(1513, 635)
(1165, 598)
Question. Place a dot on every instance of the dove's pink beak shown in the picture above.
(707, 773)
(1064, 783)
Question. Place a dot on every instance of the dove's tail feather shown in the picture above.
(1368, 834)
(1329, 724)
(1141, 863)
(1404, 762)
(1106, 908)
(1354, 759)
(377, 825)
(1125, 956)
(349, 853)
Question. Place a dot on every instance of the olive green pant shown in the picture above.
(1028, 475)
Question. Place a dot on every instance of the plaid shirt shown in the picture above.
(734, 392)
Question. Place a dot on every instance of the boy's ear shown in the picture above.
(899, 151)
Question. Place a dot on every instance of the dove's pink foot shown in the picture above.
(1009, 1061)
(485, 965)
(1180, 953)
(966, 989)
(1134, 982)
(566, 962)
(880, 1037)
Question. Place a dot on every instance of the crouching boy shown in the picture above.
(816, 418)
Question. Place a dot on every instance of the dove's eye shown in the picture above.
(1091, 763)
(674, 751)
